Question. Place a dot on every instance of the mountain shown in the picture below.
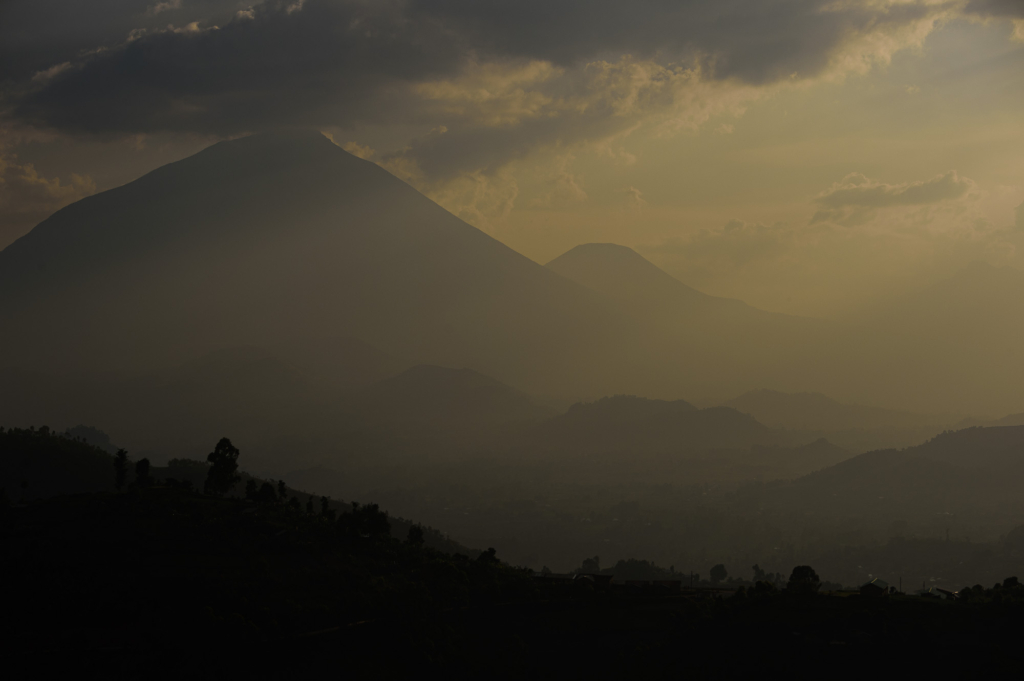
(1008, 420)
(446, 399)
(814, 411)
(623, 274)
(987, 448)
(342, 275)
(711, 344)
(963, 479)
(274, 240)
(625, 423)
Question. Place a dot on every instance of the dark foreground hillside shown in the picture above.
(166, 582)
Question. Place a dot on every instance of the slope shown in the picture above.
(717, 344)
(446, 399)
(621, 273)
(625, 423)
(814, 411)
(270, 241)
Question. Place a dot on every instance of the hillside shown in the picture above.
(855, 427)
(634, 424)
(445, 399)
(621, 273)
(274, 240)
(40, 464)
(966, 481)
(166, 580)
(718, 344)
(814, 411)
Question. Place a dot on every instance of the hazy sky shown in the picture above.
(810, 156)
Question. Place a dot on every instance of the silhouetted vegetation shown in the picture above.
(804, 581)
(222, 475)
(142, 478)
(120, 468)
(256, 570)
(206, 582)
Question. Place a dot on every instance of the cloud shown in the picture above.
(634, 198)
(858, 191)
(165, 6)
(996, 8)
(480, 199)
(47, 74)
(27, 198)
(857, 200)
(362, 151)
(1000, 9)
(564, 187)
(336, 62)
(505, 78)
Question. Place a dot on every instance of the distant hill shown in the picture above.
(959, 479)
(994, 449)
(635, 424)
(814, 411)
(1008, 420)
(718, 343)
(621, 273)
(447, 399)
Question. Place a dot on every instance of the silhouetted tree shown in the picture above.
(368, 522)
(415, 536)
(222, 475)
(325, 508)
(718, 573)
(142, 478)
(804, 580)
(309, 505)
(295, 504)
(266, 495)
(759, 574)
(282, 491)
(120, 468)
(1010, 582)
(251, 489)
(591, 564)
(488, 556)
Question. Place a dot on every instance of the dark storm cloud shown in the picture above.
(1012, 9)
(282, 63)
(323, 62)
(755, 40)
(38, 34)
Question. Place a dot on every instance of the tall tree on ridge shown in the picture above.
(120, 468)
(223, 473)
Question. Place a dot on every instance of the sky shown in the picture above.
(816, 157)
